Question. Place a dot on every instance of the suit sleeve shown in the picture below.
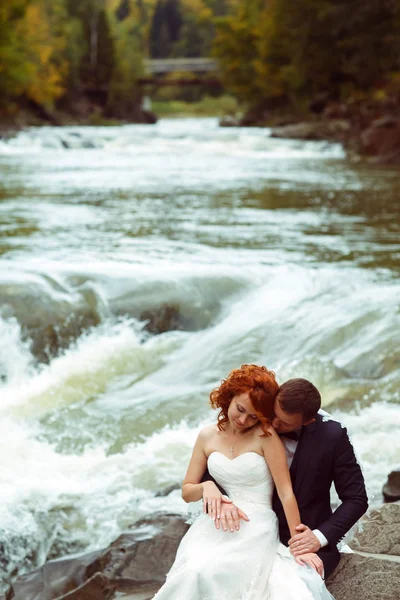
(350, 486)
(208, 477)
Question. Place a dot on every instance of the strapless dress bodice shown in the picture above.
(245, 478)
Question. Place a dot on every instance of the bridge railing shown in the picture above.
(159, 66)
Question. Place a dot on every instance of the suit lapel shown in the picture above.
(301, 458)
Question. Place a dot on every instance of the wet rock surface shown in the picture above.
(136, 562)
(52, 317)
(332, 130)
(134, 566)
(382, 140)
(369, 129)
(362, 578)
(391, 489)
(380, 532)
(165, 318)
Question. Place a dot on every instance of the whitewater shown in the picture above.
(277, 252)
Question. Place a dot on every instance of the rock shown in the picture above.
(134, 566)
(50, 317)
(332, 130)
(302, 131)
(55, 578)
(336, 110)
(139, 595)
(391, 489)
(166, 491)
(361, 578)
(165, 318)
(255, 117)
(386, 122)
(229, 121)
(94, 588)
(379, 532)
(144, 556)
(136, 563)
(382, 140)
(149, 117)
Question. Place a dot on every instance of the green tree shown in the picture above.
(240, 49)
(13, 71)
(165, 28)
(42, 34)
(97, 60)
(293, 51)
(124, 94)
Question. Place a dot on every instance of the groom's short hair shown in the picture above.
(299, 396)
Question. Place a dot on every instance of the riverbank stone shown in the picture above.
(136, 562)
(381, 140)
(379, 532)
(391, 489)
(135, 565)
(331, 130)
(364, 578)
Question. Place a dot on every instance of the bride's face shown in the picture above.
(241, 413)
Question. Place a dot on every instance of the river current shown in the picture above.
(270, 251)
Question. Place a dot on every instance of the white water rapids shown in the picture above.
(271, 251)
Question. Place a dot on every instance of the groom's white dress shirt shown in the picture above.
(290, 447)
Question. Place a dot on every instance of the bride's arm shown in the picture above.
(275, 456)
(193, 487)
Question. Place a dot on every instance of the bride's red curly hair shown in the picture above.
(261, 386)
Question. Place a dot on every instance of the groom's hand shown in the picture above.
(230, 516)
(303, 542)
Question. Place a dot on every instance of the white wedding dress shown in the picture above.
(249, 564)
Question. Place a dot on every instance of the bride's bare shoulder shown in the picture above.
(271, 436)
(208, 431)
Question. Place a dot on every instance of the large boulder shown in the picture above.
(364, 578)
(332, 130)
(382, 140)
(391, 489)
(50, 316)
(373, 571)
(136, 562)
(379, 532)
(166, 318)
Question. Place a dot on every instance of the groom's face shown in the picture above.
(283, 421)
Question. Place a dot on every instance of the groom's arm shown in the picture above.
(208, 477)
(349, 483)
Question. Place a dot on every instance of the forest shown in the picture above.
(74, 57)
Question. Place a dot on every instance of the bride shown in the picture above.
(245, 456)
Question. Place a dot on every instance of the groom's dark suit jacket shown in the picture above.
(324, 455)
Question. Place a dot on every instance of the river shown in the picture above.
(270, 251)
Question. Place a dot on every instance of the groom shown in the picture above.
(319, 453)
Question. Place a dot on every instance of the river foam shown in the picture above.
(267, 251)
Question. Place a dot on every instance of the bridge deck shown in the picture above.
(176, 65)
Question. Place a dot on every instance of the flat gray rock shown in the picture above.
(379, 532)
(361, 578)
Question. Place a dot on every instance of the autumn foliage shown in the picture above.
(54, 52)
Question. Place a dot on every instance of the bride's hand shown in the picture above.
(212, 499)
(230, 516)
(313, 560)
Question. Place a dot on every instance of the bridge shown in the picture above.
(160, 66)
(157, 68)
